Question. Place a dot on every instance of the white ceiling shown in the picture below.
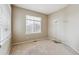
(42, 8)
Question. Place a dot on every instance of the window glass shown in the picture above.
(33, 24)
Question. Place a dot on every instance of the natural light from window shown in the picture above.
(33, 24)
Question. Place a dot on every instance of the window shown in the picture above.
(33, 24)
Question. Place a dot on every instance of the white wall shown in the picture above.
(5, 23)
(64, 26)
(73, 26)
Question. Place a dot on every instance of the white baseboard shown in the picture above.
(71, 48)
(29, 41)
(77, 52)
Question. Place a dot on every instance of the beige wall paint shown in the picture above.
(64, 26)
(19, 25)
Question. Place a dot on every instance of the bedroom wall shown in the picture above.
(19, 25)
(64, 26)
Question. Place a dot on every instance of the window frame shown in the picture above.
(35, 21)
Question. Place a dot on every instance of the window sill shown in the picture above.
(33, 33)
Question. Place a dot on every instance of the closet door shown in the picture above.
(5, 21)
(59, 27)
(1, 23)
(5, 28)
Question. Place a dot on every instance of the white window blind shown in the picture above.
(33, 24)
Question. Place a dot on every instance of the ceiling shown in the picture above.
(42, 8)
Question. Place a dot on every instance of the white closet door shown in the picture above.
(59, 28)
(5, 22)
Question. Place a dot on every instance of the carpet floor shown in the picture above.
(42, 47)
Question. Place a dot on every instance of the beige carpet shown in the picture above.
(43, 47)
